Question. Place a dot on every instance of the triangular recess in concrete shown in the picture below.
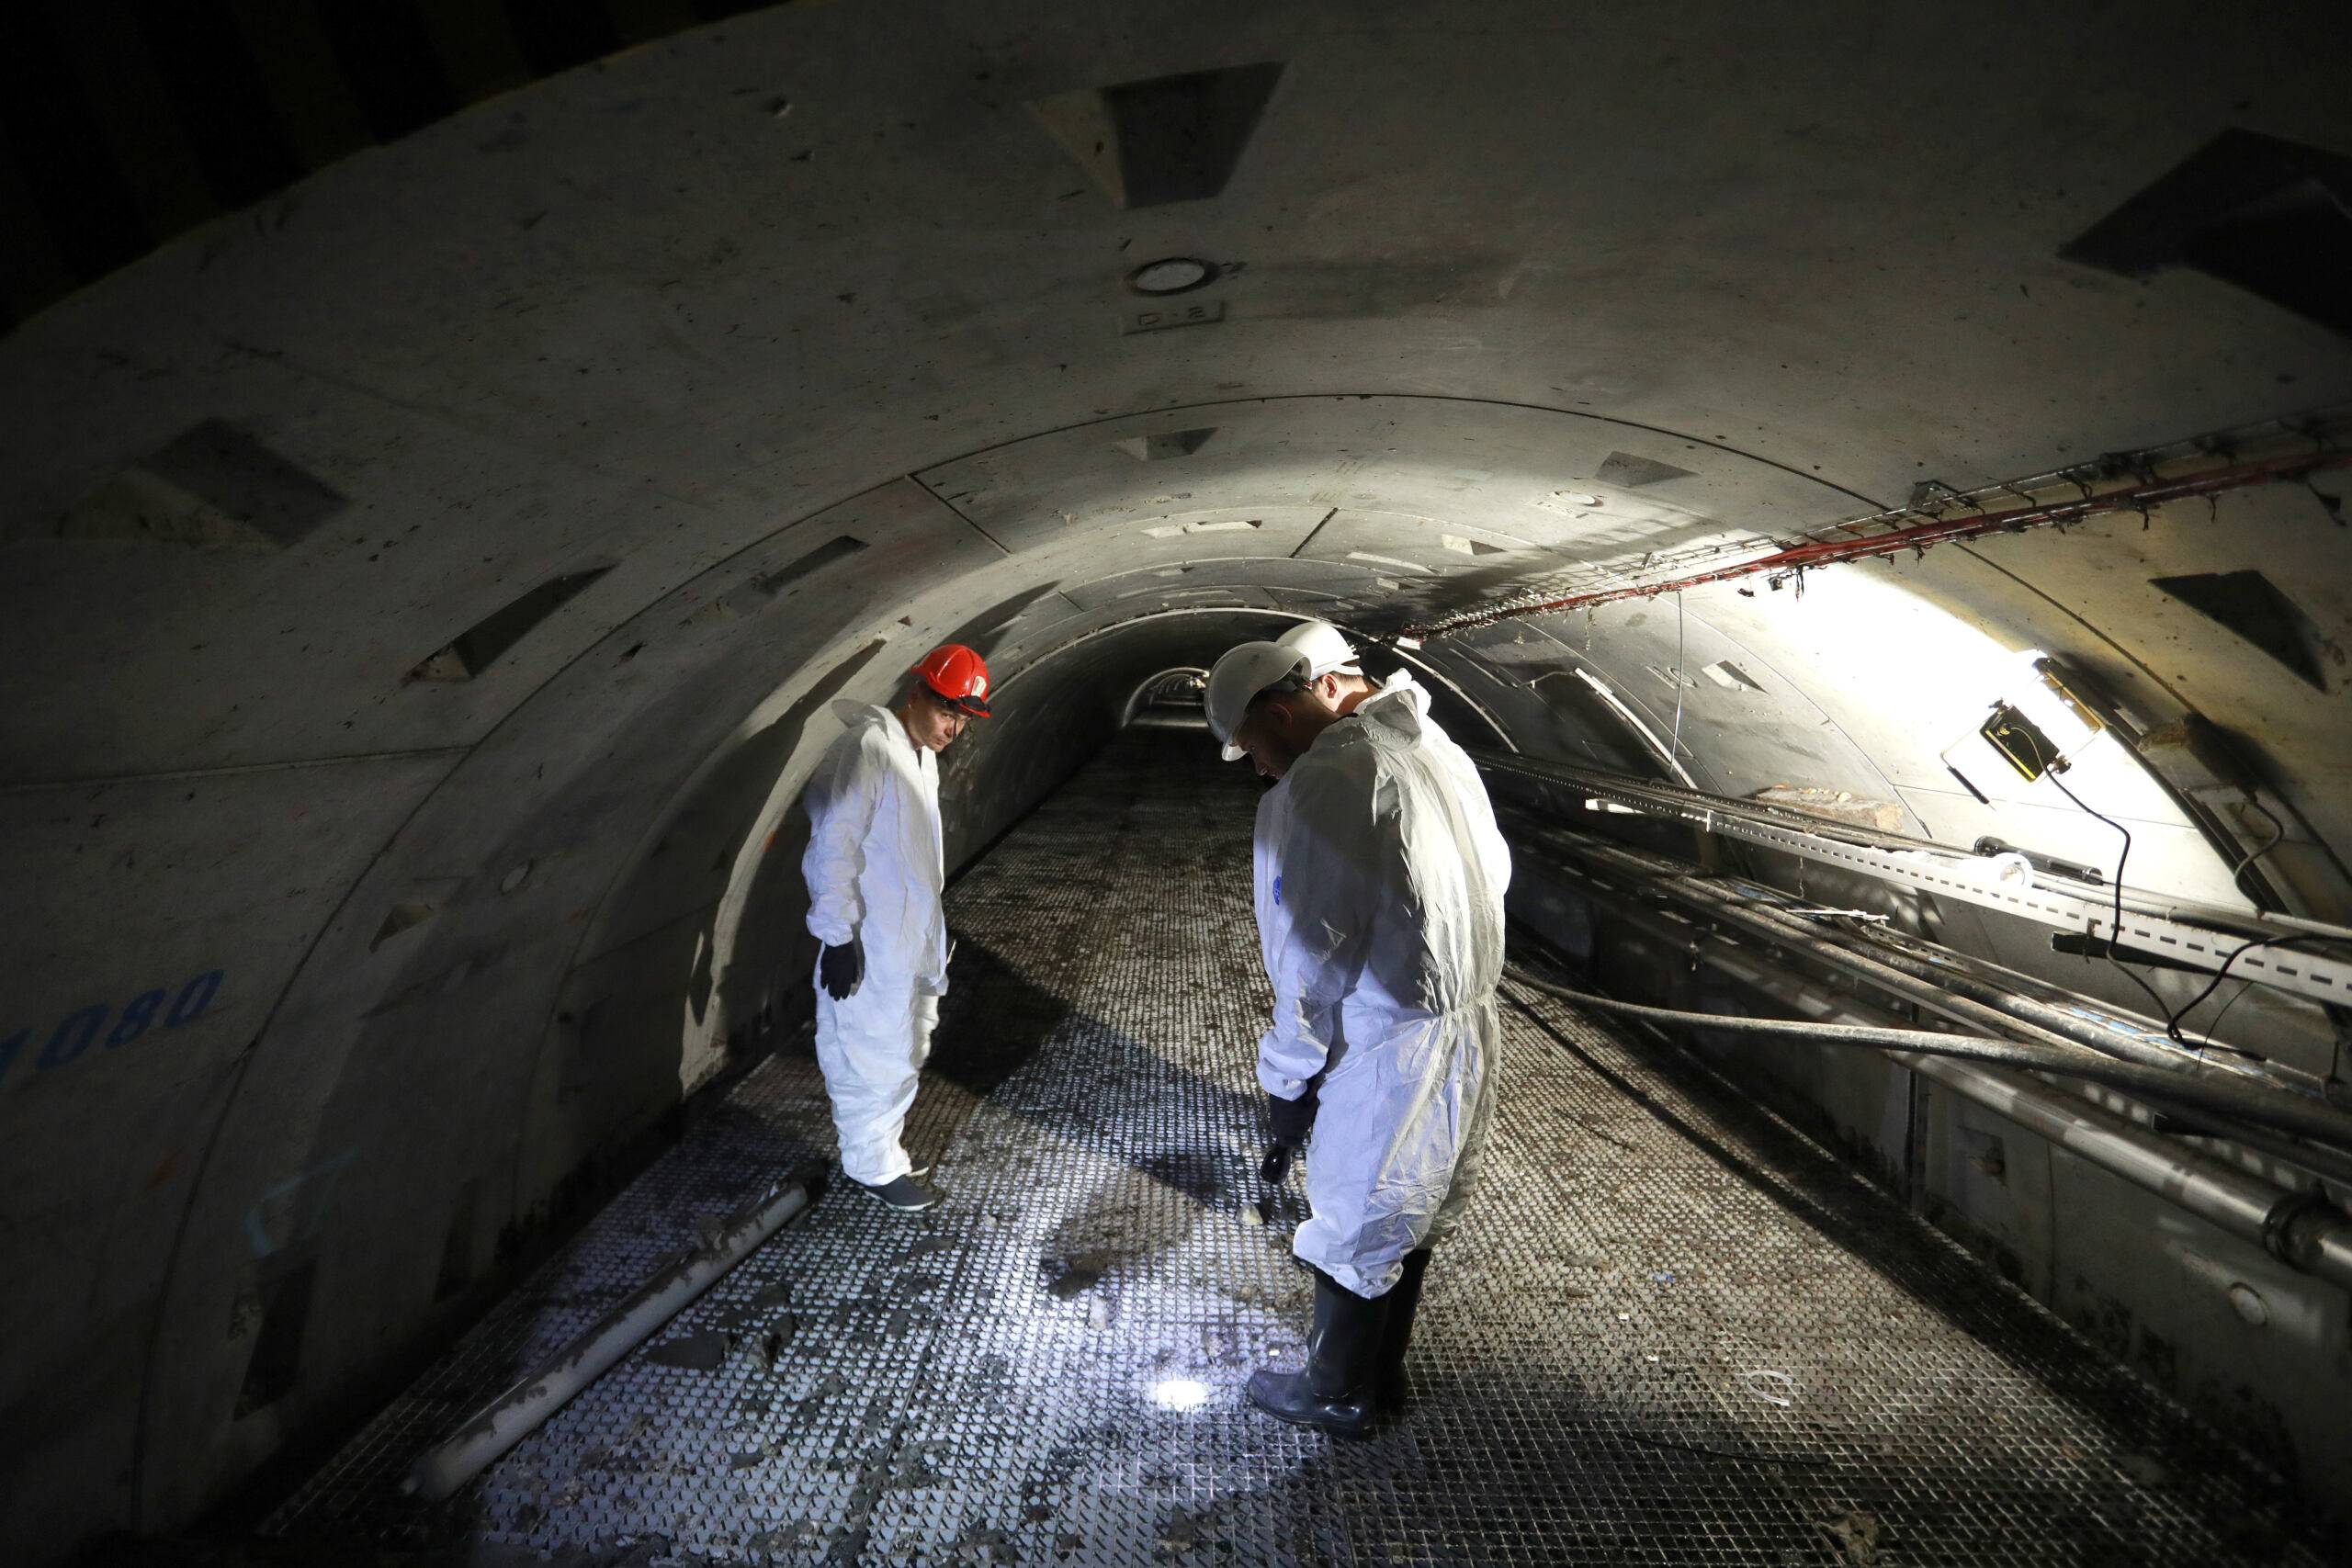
(472, 650)
(213, 488)
(1167, 444)
(1630, 472)
(402, 918)
(1163, 139)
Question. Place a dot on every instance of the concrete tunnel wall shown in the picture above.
(420, 960)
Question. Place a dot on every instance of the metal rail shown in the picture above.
(2283, 1112)
(2202, 936)
(1919, 527)
(2300, 1227)
(2223, 1089)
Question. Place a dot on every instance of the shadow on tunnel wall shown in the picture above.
(624, 1038)
(765, 977)
(772, 948)
(485, 1192)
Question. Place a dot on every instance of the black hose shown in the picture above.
(2267, 1108)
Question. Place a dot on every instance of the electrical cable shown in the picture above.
(2156, 999)
(2278, 831)
(2210, 1029)
(2115, 927)
(1674, 745)
(2172, 1023)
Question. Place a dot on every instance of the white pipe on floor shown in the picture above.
(507, 1419)
(2300, 1229)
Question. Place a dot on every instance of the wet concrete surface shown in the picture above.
(1672, 1330)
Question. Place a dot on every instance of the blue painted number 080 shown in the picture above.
(77, 1032)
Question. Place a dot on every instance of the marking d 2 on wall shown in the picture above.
(78, 1031)
(1159, 317)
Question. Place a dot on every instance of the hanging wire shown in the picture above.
(1674, 747)
(2278, 831)
(2172, 1024)
(2115, 927)
(2210, 1029)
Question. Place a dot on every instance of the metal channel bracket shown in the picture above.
(1989, 882)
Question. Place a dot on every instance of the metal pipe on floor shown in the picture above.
(2049, 1003)
(2291, 1115)
(1982, 980)
(1797, 936)
(2227, 1090)
(2202, 1122)
(540, 1392)
(1961, 975)
(2302, 1229)
(2156, 923)
(2055, 1008)
(2216, 1088)
(2318, 1159)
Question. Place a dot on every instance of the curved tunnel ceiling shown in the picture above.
(779, 401)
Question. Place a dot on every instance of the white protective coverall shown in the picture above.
(875, 872)
(1273, 925)
(1380, 906)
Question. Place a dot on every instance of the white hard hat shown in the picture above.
(1239, 674)
(1327, 652)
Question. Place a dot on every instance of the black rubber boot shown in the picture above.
(1334, 1390)
(1396, 1332)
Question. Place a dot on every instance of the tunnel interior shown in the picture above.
(1683, 1332)
(431, 565)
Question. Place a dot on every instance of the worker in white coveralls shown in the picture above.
(1335, 679)
(875, 874)
(1382, 919)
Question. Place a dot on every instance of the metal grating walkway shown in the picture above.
(1673, 1331)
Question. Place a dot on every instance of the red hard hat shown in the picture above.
(957, 675)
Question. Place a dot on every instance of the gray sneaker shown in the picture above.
(909, 1194)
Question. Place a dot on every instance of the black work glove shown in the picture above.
(1288, 1122)
(840, 968)
(1291, 1120)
